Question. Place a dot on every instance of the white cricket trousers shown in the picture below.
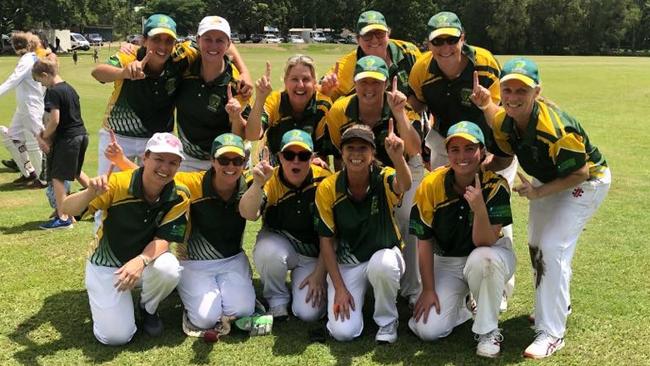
(212, 288)
(554, 226)
(484, 273)
(438, 157)
(274, 256)
(383, 271)
(411, 284)
(112, 310)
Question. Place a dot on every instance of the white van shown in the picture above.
(77, 41)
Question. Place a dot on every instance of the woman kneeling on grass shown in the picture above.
(359, 237)
(458, 216)
(285, 196)
(570, 181)
(216, 280)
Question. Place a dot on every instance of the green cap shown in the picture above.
(371, 67)
(371, 20)
(160, 23)
(470, 131)
(297, 138)
(444, 23)
(522, 69)
(226, 143)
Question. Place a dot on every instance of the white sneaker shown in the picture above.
(279, 311)
(489, 344)
(543, 346)
(387, 333)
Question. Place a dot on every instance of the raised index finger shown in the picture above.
(113, 138)
(229, 92)
(391, 127)
(267, 73)
(522, 178)
(477, 181)
(265, 154)
(145, 59)
(336, 68)
(475, 80)
(394, 88)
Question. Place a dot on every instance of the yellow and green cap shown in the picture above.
(470, 131)
(444, 23)
(226, 143)
(371, 67)
(160, 23)
(371, 20)
(523, 69)
(298, 138)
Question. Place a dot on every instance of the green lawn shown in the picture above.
(45, 317)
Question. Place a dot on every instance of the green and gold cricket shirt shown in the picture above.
(403, 55)
(443, 216)
(201, 108)
(129, 223)
(449, 100)
(345, 113)
(553, 146)
(140, 108)
(278, 118)
(360, 228)
(290, 210)
(216, 227)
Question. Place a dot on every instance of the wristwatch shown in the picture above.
(146, 260)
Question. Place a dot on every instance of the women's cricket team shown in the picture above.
(392, 216)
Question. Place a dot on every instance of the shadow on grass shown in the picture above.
(19, 229)
(10, 187)
(69, 314)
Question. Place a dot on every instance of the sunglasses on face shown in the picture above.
(291, 155)
(224, 161)
(448, 40)
(377, 34)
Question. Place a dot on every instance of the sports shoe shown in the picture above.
(489, 344)
(22, 180)
(279, 312)
(543, 346)
(11, 165)
(57, 223)
(35, 184)
(387, 333)
(151, 323)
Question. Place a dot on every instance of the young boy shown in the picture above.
(64, 139)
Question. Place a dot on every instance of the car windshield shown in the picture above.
(77, 37)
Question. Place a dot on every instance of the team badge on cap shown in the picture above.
(522, 69)
(444, 23)
(371, 67)
(226, 143)
(470, 131)
(297, 138)
(371, 20)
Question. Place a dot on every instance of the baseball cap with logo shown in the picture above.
(298, 138)
(371, 67)
(470, 131)
(214, 23)
(444, 23)
(164, 142)
(226, 143)
(358, 132)
(371, 20)
(160, 23)
(523, 69)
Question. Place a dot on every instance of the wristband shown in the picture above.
(484, 107)
(146, 260)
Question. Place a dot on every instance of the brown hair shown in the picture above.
(45, 66)
(24, 42)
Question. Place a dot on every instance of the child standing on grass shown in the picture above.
(64, 139)
(75, 57)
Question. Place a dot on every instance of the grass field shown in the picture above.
(45, 317)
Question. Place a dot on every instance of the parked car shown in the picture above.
(95, 39)
(318, 37)
(294, 38)
(347, 40)
(5, 44)
(79, 42)
(271, 38)
(255, 38)
(234, 37)
(135, 39)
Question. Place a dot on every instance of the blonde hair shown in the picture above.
(300, 59)
(45, 66)
(24, 42)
